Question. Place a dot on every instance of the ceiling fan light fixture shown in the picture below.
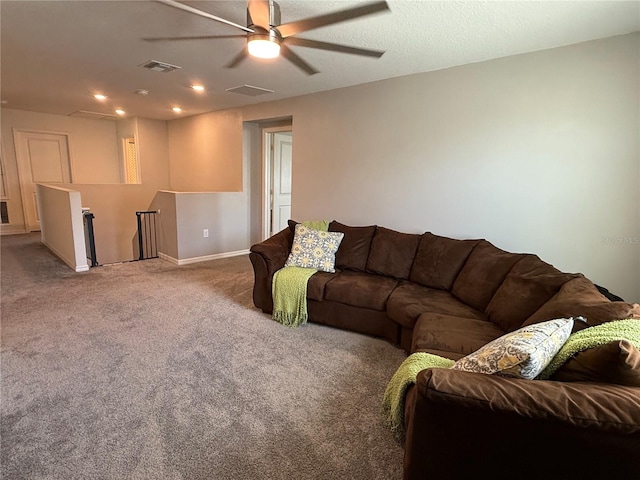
(264, 45)
(263, 48)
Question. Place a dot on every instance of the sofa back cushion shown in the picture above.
(392, 253)
(439, 260)
(580, 297)
(482, 274)
(614, 362)
(529, 284)
(354, 248)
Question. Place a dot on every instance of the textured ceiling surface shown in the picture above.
(56, 54)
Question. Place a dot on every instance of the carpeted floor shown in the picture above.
(147, 370)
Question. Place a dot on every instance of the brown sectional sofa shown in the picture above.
(449, 297)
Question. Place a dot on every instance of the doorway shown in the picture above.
(277, 167)
(43, 157)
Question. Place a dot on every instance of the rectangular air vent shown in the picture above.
(93, 115)
(249, 90)
(156, 66)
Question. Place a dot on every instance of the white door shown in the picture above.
(43, 157)
(282, 148)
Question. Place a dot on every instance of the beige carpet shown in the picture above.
(146, 370)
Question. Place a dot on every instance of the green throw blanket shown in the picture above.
(289, 289)
(627, 329)
(405, 376)
(290, 295)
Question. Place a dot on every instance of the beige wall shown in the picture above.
(153, 149)
(92, 147)
(205, 152)
(62, 227)
(164, 203)
(536, 153)
(115, 225)
(224, 214)
(115, 205)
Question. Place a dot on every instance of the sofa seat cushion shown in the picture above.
(580, 297)
(454, 335)
(439, 260)
(392, 253)
(409, 300)
(353, 251)
(482, 274)
(528, 285)
(317, 283)
(360, 290)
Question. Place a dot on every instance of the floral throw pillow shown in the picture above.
(523, 353)
(314, 249)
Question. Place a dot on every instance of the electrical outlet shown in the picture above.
(205, 232)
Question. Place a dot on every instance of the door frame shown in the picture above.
(267, 161)
(23, 173)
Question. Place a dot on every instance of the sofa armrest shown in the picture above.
(275, 250)
(268, 257)
(468, 425)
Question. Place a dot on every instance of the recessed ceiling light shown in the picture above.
(99, 96)
(176, 109)
(197, 88)
(120, 111)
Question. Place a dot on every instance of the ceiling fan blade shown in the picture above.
(187, 8)
(237, 59)
(332, 47)
(197, 37)
(259, 13)
(296, 60)
(299, 26)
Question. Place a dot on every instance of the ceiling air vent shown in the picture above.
(249, 90)
(156, 66)
(93, 115)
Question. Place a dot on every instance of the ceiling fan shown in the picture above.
(267, 38)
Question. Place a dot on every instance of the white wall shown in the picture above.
(536, 153)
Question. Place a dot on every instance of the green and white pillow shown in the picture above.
(523, 353)
(314, 249)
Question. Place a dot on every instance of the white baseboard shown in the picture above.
(205, 258)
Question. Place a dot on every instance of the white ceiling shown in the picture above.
(56, 54)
